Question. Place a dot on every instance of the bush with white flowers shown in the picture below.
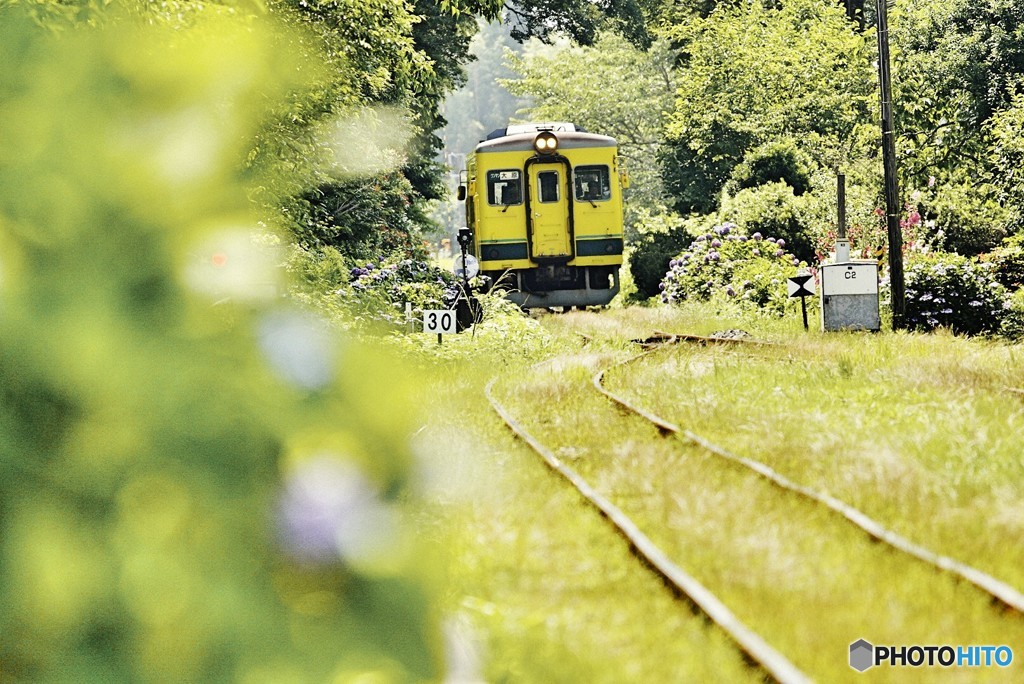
(953, 291)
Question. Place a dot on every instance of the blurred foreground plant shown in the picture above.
(197, 481)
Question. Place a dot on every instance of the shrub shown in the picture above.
(752, 270)
(360, 217)
(774, 162)
(1013, 318)
(371, 292)
(661, 237)
(772, 209)
(954, 291)
(381, 290)
(1008, 262)
(966, 222)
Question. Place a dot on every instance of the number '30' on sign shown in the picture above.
(441, 321)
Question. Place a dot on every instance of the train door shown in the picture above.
(549, 211)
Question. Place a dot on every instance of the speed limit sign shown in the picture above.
(441, 321)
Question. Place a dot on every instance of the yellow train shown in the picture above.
(544, 204)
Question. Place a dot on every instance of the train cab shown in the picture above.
(544, 203)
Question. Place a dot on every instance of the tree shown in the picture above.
(611, 88)
(580, 20)
(959, 65)
(754, 74)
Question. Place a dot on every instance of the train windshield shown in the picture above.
(504, 187)
(548, 181)
(592, 183)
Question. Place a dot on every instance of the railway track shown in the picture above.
(1000, 591)
(755, 647)
(758, 652)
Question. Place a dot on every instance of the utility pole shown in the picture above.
(892, 199)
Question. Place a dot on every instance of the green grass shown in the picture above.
(917, 431)
(550, 593)
(914, 430)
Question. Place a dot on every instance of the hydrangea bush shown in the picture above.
(750, 269)
(380, 290)
(953, 291)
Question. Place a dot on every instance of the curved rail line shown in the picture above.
(766, 658)
(997, 589)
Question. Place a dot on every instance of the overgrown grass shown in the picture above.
(548, 592)
(915, 430)
(803, 577)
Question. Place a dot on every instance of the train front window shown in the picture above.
(593, 183)
(504, 188)
(548, 183)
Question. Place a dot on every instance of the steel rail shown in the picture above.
(759, 651)
(997, 589)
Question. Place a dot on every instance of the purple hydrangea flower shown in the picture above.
(330, 510)
(780, 242)
(756, 236)
(716, 243)
(780, 252)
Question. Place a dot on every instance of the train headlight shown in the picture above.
(545, 142)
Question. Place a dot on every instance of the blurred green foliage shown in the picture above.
(194, 484)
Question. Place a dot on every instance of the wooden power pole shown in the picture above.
(892, 198)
